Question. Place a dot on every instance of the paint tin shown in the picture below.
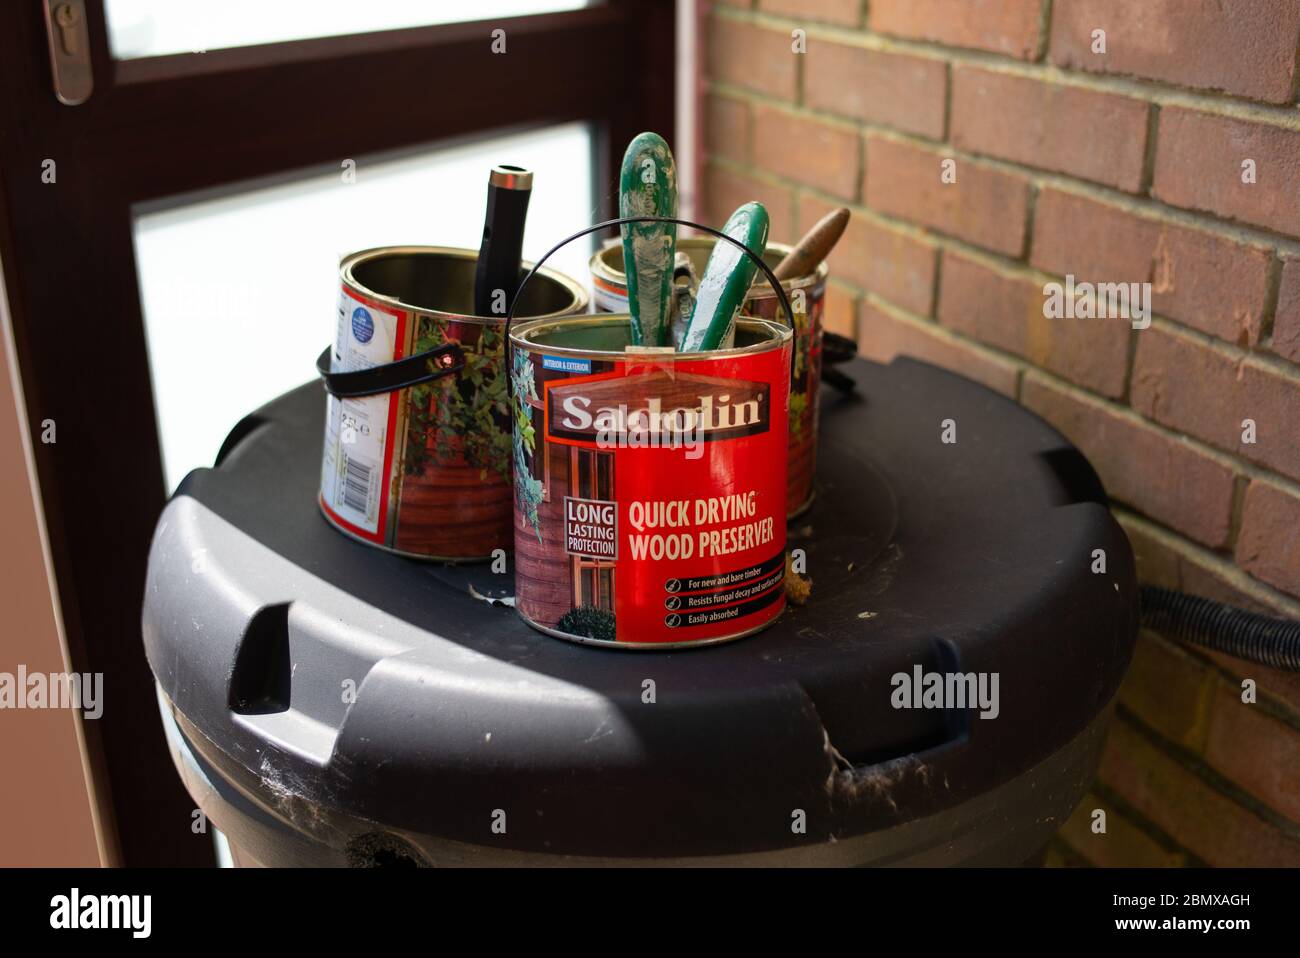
(650, 496)
(650, 493)
(807, 295)
(417, 455)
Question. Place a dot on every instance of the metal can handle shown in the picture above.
(423, 367)
(447, 358)
(758, 260)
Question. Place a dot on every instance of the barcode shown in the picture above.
(356, 485)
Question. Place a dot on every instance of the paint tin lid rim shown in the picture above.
(579, 304)
(519, 333)
(761, 289)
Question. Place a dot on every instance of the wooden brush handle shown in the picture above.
(815, 246)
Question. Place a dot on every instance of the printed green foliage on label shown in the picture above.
(590, 622)
(461, 415)
(529, 491)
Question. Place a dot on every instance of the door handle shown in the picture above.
(69, 41)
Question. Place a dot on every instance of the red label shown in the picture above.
(673, 484)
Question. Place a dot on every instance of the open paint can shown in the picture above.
(417, 456)
(807, 297)
(650, 493)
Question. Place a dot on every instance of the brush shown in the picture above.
(648, 187)
(496, 274)
(815, 246)
(725, 284)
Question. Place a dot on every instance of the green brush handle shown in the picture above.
(726, 281)
(648, 187)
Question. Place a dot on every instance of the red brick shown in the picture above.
(1286, 325)
(1246, 49)
(1157, 562)
(1162, 477)
(891, 89)
(752, 57)
(1204, 820)
(1094, 136)
(1007, 312)
(846, 13)
(1198, 166)
(724, 190)
(813, 152)
(1217, 285)
(885, 334)
(1123, 845)
(1203, 576)
(878, 259)
(1010, 27)
(841, 314)
(984, 206)
(1277, 685)
(1169, 690)
(1171, 563)
(727, 128)
(1255, 751)
(1268, 546)
(1190, 386)
(1168, 561)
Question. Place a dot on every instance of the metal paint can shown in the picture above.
(650, 506)
(417, 455)
(807, 296)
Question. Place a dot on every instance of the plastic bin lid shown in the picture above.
(331, 675)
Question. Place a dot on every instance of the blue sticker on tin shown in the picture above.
(363, 327)
(565, 365)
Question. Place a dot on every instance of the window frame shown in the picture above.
(163, 126)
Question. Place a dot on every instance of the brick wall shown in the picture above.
(1125, 166)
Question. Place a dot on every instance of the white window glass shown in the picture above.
(239, 292)
(146, 28)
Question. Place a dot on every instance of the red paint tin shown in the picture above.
(650, 486)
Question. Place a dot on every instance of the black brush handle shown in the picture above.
(509, 188)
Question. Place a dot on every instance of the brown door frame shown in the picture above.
(163, 126)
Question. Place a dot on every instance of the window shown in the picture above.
(98, 339)
(150, 28)
(591, 476)
(249, 281)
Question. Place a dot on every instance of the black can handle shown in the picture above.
(421, 368)
(758, 260)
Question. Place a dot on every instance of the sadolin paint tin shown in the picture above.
(807, 296)
(650, 493)
(423, 468)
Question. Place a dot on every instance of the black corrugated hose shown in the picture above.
(1223, 628)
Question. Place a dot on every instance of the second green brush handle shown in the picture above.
(726, 281)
